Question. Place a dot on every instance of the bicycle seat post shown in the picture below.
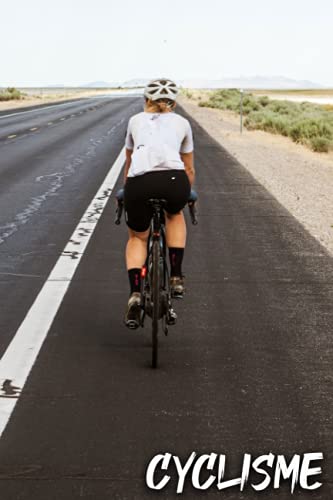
(158, 214)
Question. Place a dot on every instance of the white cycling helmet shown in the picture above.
(161, 88)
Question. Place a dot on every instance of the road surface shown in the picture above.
(247, 369)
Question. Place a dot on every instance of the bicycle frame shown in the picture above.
(155, 291)
(156, 238)
(155, 294)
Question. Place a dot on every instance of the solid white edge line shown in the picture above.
(21, 354)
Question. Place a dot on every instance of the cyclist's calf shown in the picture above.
(136, 249)
(175, 230)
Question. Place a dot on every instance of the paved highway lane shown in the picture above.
(247, 369)
(47, 179)
(20, 124)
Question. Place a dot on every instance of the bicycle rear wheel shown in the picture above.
(156, 299)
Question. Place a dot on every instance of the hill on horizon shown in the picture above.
(250, 82)
(246, 82)
(101, 84)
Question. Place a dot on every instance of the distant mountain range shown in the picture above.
(255, 82)
(246, 82)
(251, 82)
(102, 85)
(128, 84)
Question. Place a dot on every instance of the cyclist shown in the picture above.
(159, 164)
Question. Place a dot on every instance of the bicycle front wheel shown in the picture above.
(156, 296)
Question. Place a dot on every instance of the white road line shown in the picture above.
(22, 275)
(21, 354)
(42, 109)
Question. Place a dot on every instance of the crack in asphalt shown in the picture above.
(57, 181)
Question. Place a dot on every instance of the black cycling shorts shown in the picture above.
(171, 185)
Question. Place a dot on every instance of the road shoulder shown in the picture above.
(301, 180)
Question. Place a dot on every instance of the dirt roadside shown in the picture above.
(34, 100)
(300, 179)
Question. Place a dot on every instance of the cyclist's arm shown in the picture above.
(129, 145)
(186, 153)
(129, 153)
(188, 159)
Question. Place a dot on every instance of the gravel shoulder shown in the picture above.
(36, 100)
(49, 98)
(301, 180)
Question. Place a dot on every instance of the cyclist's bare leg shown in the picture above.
(136, 249)
(175, 230)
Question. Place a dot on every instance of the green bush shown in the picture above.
(282, 107)
(10, 93)
(187, 93)
(321, 144)
(263, 100)
(305, 123)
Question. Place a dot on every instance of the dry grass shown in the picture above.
(295, 92)
(304, 122)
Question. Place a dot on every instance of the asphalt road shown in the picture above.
(247, 369)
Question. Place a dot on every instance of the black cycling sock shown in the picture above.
(176, 258)
(134, 276)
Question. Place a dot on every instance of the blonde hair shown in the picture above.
(159, 106)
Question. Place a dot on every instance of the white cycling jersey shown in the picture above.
(157, 139)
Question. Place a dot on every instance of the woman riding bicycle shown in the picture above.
(159, 164)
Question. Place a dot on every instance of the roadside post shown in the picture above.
(241, 109)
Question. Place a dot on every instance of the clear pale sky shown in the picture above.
(79, 41)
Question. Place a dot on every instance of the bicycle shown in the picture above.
(155, 289)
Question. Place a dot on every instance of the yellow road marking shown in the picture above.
(11, 136)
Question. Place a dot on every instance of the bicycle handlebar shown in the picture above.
(119, 211)
(191, 205)
(120, 206)
(193, 212)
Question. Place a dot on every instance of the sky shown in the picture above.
(74, 42)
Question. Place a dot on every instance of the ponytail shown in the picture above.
(159, 106)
